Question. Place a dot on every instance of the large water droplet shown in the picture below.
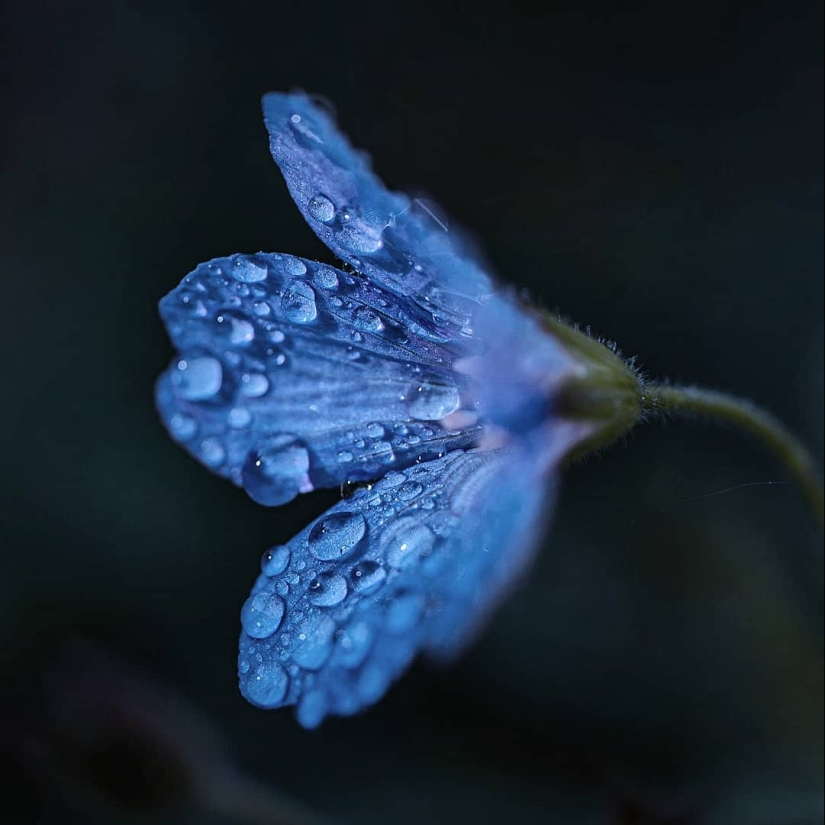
(248, 270)
(197, 379)
(261, 615)
(367, 576)
(321, 208)
(298, 302)
(294, 266)
(266, 685)
(432, 398)
(313, 641)
(336, 535)
(328, 590)
(275, 560)
(405, 541)
(277, 470)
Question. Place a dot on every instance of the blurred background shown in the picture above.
(652, 170)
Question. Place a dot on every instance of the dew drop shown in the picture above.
(248, 270)
(432, 398)
(409, 490)
(325, 278)
(298, 302)
(275, 560)
(239, 417)
(183, 427)
(295, 266)
(367, 577)
(321, 208)
(197, 379)
(277, 470)
(328, 590)
(367, 320)
(212, 452)
(336, 535)
(313, 641)
(374, 430)
(254, 385)
(354, 644)
(405, 541)
(261, 615)
(266, 685)
(235, 327)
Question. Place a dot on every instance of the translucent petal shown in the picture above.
(399, 243)
(411, 564)
(293, 375)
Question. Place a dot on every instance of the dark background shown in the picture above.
(653, 170)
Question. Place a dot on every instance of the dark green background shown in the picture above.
(653, 170)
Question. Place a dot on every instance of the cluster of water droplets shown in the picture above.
(294, 375)
(338, 612)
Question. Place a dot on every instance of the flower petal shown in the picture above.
(294, 375)
(397, 242)
(411, 564)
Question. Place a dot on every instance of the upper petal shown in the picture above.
(396, 241)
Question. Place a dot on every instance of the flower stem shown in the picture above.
(798, 461)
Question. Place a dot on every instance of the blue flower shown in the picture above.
(408, 371)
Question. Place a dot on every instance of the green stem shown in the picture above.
(661, 398)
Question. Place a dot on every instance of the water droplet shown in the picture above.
(275, 560)
(432, 398)
(266, 685)
(374, 430)
(243, 666)
(327, 590)
(295, 266)
(277, 470)
(345, 456)
(212, 452)
(367, 576)
(261, 615)
(409, 490)
(312, 709)
(254, 385)
(321, 208)
(360, 238)
(405, 541)
(313, 642)
(404, 611)
(354, 644)
(336, 535)
(367, 320)
(248, 270)
(197, 379)
(261, 308)
(183, 427)
(239, 417)
(298, 302)
(325, 278)
(236, 327)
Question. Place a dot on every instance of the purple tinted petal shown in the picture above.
(412, 564)
(293, 375)
(397, 242)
